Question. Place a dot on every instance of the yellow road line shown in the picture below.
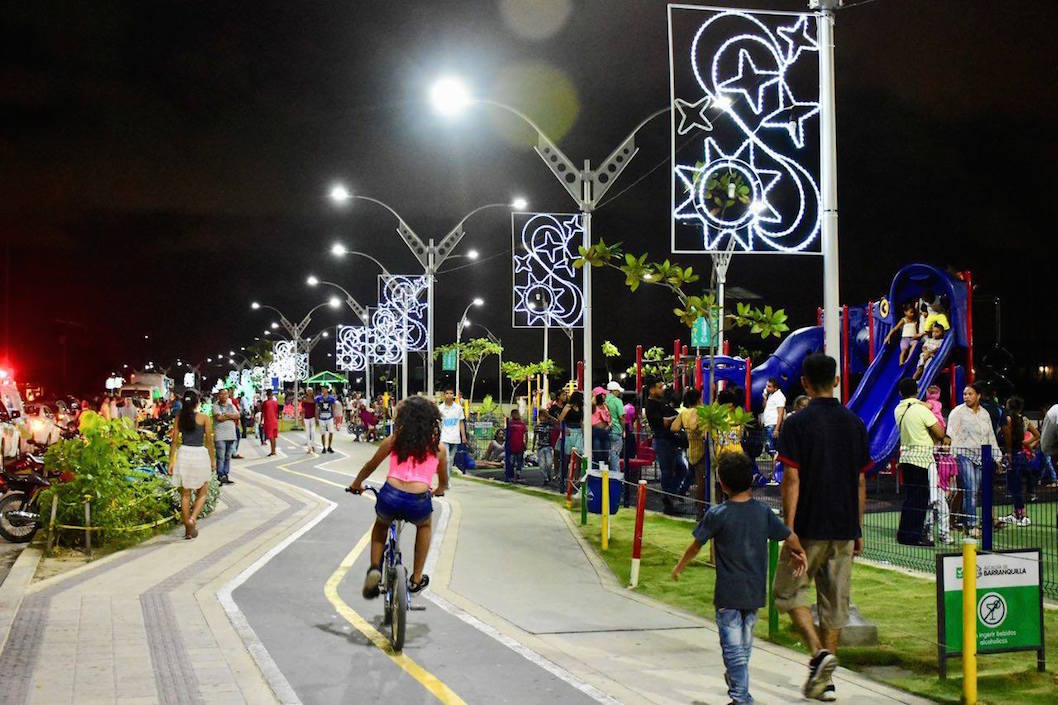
(428, 680)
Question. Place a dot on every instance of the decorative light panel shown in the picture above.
(547, 288)
(745, 131)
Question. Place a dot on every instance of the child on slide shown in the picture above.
(415, 456)
(908, 327)
(930, 346)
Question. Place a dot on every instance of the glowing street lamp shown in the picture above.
(295, 330)
(430, 255)
(463, 322)
(586, 186)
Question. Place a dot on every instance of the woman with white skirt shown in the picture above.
(192, 461)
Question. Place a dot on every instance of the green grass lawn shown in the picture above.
(902, 606)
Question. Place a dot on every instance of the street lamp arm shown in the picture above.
(350, 300)
(517, 113)
(364, 254)
(384, 205)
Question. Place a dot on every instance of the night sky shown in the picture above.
(162, 164)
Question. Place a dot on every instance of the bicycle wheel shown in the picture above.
(387, 599)
(400, 608)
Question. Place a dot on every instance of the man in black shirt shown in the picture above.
(825, 451)
(660, 416)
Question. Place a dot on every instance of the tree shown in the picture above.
(517, 373)
(609, 352)
(654, 364)
(472, 353)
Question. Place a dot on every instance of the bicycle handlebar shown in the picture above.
(364, 489)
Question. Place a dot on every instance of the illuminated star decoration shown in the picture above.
(760, 137)
(718, 227)
(351, 348)
(404, 295)
(750, 82)
(692, 115)
(288, 364)
(547, 287)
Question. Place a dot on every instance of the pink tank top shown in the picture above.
(411, 470)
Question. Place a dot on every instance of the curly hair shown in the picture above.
(416, 429)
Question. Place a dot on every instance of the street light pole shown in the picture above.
(358, 309)
(430, 255)
(586, 189)
(295, 330)
(828, 169)
(459, 334)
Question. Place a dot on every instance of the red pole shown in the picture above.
(819, 316)
(580, 376)
(969, 326)
(870, 331)
(845, 353)
(676, 365)
(698, 373)
(749, 384)
(637, 536)
(727, 347)
(683, 373)
(639, 371)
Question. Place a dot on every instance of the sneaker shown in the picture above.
(1024, 521)
(1008, 519)
(829, 694)
(772, 483)
(371, 582)
(819, 670)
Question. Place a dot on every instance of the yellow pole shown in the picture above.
(969, 622)
(605, 506)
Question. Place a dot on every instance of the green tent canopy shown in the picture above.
(326, 377)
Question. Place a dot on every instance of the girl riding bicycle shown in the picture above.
(415, 456)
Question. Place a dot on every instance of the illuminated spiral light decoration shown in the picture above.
(400, 294)
(751, 82)
(386, 337)
(288, 365)
(547, 288)
(351, 348)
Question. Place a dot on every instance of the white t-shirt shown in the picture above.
(775, 401)
(451, 416)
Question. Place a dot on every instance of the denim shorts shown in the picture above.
(397, 504)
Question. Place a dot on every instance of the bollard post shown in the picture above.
(637, 535)
(584, 491)
(605, 506)
(51, 522)
(988, 473)
(969, 622)
(88, 526)
(773, 564)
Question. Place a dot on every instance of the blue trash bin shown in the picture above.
(595, 491)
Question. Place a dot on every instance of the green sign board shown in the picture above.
(1009, 603)
(449, 359)
(702, 333)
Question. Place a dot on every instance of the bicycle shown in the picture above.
(396, 598)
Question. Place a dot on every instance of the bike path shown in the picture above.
(327, 659)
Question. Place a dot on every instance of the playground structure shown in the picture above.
(864, 354)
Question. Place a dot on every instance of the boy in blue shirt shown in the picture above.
(740, 528)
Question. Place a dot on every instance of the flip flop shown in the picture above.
(414, 587)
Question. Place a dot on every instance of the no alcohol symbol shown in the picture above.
(992, 609)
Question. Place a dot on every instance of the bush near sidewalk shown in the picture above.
(115, 469)
(903, 607)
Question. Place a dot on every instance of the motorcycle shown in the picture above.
(22, 481)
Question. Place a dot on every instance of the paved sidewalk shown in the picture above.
(145, 625)
(515, 563)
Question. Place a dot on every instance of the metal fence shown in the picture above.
(928, 499)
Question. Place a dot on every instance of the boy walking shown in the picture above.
(740, 527)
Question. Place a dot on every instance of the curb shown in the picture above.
(14, 587)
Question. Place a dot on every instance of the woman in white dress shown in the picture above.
(192, 459)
